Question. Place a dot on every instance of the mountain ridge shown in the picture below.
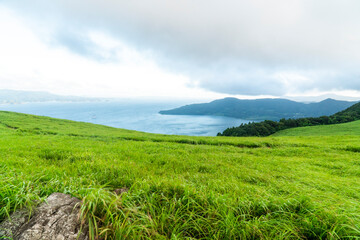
(261, 109)
(8, 96)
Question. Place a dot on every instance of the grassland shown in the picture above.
(351, 128)
(184, 187)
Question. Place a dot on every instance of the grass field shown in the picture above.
(184, 187)
(351, 128)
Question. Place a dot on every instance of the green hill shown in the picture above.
(267, 127)
(183, 187)
(351, 128)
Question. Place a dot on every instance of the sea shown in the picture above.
(140, 116)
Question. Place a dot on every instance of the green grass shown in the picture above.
(351, 128)
(184, 187)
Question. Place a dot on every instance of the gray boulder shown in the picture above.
(55, 219)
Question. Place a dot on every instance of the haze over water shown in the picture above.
(138, 116)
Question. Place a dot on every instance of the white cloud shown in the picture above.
(28, 63)
(256, 47)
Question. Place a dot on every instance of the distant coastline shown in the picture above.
(260, 109)
(21, 97)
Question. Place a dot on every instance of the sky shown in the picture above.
(181, 49)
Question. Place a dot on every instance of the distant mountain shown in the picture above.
(319, 98)
(15, 96)
(261, 109)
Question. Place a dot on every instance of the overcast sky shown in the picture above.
(184, 49)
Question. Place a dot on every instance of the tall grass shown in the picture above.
(180, 187)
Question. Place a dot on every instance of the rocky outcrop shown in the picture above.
(55, 219)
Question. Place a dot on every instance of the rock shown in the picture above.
(120, 191)
(55, 219)
(18, 218)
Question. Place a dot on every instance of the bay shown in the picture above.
(139, 116)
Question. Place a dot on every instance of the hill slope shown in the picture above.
(351, 128)
(183, 187)
(260, 109)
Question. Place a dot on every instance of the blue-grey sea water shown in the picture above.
(140, 116)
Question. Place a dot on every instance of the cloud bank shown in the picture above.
(257, 47)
